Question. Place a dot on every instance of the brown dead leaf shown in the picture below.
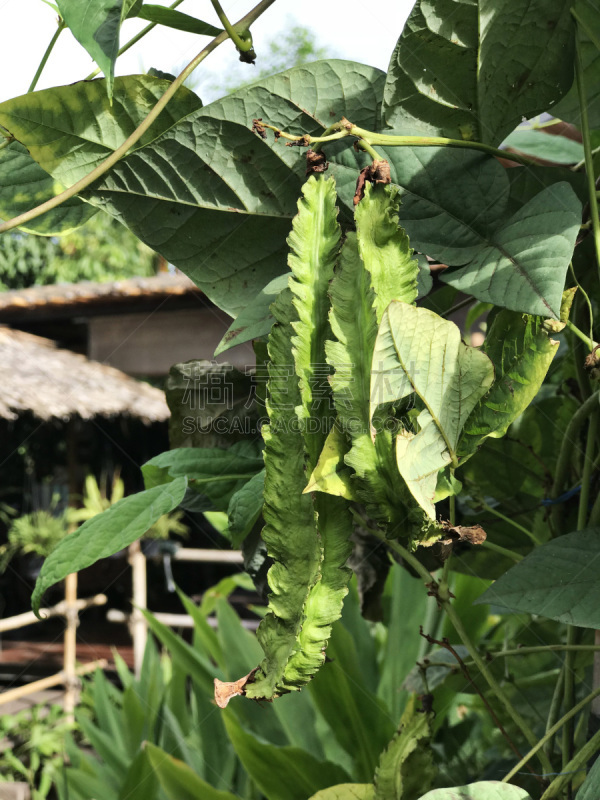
(473, 534)
(258, 127)
(315, 162)
(378, 173)
(225, 690)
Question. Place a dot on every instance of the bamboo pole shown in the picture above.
(47, 683)
(59, 610)
(210, 556)
(138, 626)
(70, 645)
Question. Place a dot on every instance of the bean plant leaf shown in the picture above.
(473, 69)
(568, 108)
(255, 319)
(523, 267)
(96, 26)
(406, 766)
(69, 130)
(212, 472)
(187, 201)
(245, 507)
(172, 18)
(418, 352)
(482, 790)
(558, 149)
(557, 580)
(178, 780)
(25, 185)
(521, 349)
(107, 533)
(591, 786)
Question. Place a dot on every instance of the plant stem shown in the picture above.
(243, 45)
(588, 463)
(502, 551)
(370, 150)
(444, 599)
(510, 521)
(42, 64)
(134, 40)
(587, 148)
(566, 451)
(102, 168)
(554, 711)
(568, 699)
(385, 140)
(576, 764)
(345, 128)
(588, 303)
(548, 735)
(580, 334)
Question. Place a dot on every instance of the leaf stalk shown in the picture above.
(42, 64)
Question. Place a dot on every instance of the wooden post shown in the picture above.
(138, 626)
(70, 645)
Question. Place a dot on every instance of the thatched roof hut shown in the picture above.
(51, 383)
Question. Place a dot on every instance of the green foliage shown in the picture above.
(556, 580)
(367, 450)
(101, 250)
(33, 747)
(486, 68)
(108, 533)
(418, 352)
(171, 18)
(37, 533)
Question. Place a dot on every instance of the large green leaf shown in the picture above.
(281, 773)
(558, 580)
(418, 352)
(107, 533)
(96, 26)
(558, 149)
(471, 69)
(590, 788)
(69, 130)
(482, 790)
(25, 185)
(221, 211)
(179, 781)
(214, 473)
(524, 264)
(455, 209)
(589, 33)
(172, 18)
(245, 507)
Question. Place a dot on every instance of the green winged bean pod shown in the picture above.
(290, 531)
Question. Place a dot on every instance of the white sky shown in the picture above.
(343, 26)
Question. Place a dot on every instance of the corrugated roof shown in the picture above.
(72, 296)
(51, 383)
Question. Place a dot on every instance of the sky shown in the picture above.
(344, 27)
